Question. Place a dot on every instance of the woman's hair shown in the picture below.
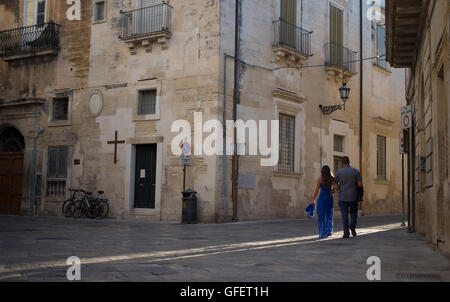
(327, 179)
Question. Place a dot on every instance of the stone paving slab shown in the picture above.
(36, 249)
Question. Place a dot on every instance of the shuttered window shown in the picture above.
(336, 25)
(288, 11)
(57, 162)
(147, 102)
(287, 143)
(381, 157)
(381, 46)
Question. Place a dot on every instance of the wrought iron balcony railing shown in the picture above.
(146, 21)
(340, 57)
(29, 39)
(292, 36)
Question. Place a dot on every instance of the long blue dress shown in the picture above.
(324, 210)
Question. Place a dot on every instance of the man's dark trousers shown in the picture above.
(345, 206)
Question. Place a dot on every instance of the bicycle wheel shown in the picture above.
(104, 209)
(79, 209)
(68, 208)
(93, 209)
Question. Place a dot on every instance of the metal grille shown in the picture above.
(60, 109)
(381, 157)
(287, 143)
(340, 57)
(292, 36)
(30, 38)
(146, 20)
(147, 102)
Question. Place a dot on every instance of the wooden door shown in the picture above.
(11, 177)
(145, 177)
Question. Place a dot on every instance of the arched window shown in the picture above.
(11, 140)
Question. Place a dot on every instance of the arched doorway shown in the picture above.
(12, 145)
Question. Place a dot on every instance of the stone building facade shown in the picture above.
(90, 103)
(421, 43)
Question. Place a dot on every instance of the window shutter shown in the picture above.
(381, 157)
(381, 46)
(288, 11)
(336, 25)
(52, 162)
(57, 162)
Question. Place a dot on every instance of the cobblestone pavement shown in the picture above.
(36, 249)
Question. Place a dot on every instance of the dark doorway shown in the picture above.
(12, 145)
(145, 177)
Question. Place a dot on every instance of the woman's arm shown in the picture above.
(317, 190)
(335, 187)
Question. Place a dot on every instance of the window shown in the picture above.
(57, 162)
(60, 109)
(338, 145)
(336, 25)
(147, 102)
(287, 143)
(99, 11)
(381, 157)
(34, 12)
(381, 46)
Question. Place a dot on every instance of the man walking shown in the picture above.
(349, 181)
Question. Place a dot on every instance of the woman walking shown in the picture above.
(325, 202)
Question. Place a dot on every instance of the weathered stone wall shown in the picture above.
(287, 194)
(427, 90)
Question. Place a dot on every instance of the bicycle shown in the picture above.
(103, 205)
(68, 206)
(86, 206)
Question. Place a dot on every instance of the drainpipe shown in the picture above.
(235, 172)
(33, 202)
(361, 70)
(224, 156)
(361, 84)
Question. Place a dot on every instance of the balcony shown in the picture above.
(30, 42)
(292, 44)
(340, 62)
(144, 26)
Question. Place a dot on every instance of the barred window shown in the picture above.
(381, 157)
(338, 145)
(147, 102)
(60, 109)
(57, 162)
(99, 11)
(287, 143)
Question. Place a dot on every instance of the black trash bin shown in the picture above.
(189, 212)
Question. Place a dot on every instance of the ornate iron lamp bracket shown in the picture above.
(330, 109)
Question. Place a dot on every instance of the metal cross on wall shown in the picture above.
(115, 142)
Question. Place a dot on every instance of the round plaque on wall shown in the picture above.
(95, 103)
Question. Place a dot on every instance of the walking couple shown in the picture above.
(349, 184)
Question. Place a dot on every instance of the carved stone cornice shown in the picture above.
(21, 102)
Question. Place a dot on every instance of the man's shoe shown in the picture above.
(346, 236)
(353, 231)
